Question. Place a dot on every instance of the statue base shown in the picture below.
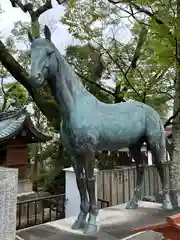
(114, 223)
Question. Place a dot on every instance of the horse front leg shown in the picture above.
(91, 226)
(80, 222)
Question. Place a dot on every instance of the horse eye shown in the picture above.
(28, 53)
(49, 53)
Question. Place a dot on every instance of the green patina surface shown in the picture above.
(89, 125)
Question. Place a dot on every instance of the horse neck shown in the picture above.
(71, 81)
(66, 87)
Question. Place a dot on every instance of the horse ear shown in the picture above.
(30, 36)
(47, 33)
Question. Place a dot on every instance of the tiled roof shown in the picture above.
(11, 123)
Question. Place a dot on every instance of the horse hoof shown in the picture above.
(78, 225)
(132, 205)
(167, 205)
(90, 228)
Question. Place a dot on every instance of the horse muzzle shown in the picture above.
(36, 81)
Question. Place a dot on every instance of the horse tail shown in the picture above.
(169, 148)
(167, 144)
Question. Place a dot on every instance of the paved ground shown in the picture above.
(116, 223)
(51, 233)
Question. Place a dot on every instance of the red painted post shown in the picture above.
(170, 229)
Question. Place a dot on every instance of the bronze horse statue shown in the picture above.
(89, 125)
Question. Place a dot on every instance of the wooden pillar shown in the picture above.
(17, 157)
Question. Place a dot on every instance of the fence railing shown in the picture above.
(102, 203)
(114, 187)
(37, 211)
(117, 185)
(45, 209)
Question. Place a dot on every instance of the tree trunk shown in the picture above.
(43, 100)
(175, 163)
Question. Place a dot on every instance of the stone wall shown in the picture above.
(8, 200)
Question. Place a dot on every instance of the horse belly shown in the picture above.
(114, 140)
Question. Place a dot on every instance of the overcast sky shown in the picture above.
(60, 34)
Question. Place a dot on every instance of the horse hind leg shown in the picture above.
(159, 154)
(136, 154)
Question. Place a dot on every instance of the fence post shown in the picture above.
(72, 206)
(8, 201)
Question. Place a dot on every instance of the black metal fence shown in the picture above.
(102, 203)
(45, 209)
(41, 210)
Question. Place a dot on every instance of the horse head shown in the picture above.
(43, 59)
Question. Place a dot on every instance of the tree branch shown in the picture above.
(18, 3)
(98, 85)
(139, 9)
(46, 7)
(148, 13)
(168, 122)
(131, 3)
(170, 96)
(132, 66)
(140, 43)
(48, 108)
(3, 94)
(29, 7)
(34, 14)
(124, 74)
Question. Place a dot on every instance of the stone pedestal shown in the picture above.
(8, 200)
(72, 206)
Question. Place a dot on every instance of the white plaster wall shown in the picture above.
(72, 206)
